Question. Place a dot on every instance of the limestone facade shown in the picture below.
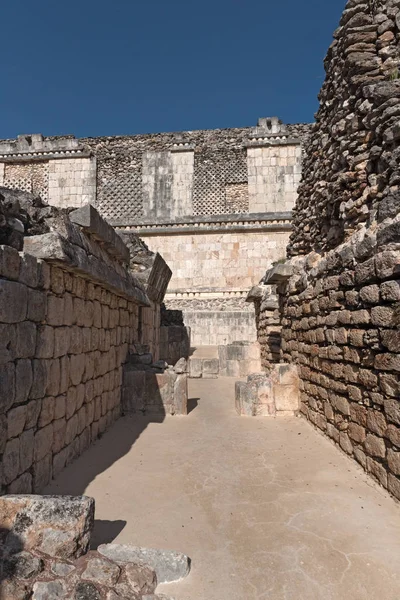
(203, 199)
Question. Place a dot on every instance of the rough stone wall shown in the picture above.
(159, 176)
(69, 310)
(269, 329)
(340, 308)
(351, 162)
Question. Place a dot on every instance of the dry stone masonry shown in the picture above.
(339, 294)
(71, 308)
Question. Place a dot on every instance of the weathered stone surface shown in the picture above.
(58, 526)
(61, 569)
(142, 579)
(168, 565)
(49, 590)
(86, 591)
(101, 571)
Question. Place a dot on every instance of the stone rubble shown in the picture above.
(32, 568)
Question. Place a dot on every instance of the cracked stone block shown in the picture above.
(168, 565)
(59, 526)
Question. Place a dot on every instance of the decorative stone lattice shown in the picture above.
(121, 198)
(30, 177)
(214, 176)
(237, 198)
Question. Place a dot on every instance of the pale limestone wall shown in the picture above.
(167, 184)
(182, 182)
(218, 328)
(235, 261)
(274, 174)
(59, 170)
(72, 182)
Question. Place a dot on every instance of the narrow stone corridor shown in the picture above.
(265, 508)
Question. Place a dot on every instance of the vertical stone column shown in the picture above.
(274, 168)
(72, 182)
(2, 167)
(182, 180)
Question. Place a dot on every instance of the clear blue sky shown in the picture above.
(97, 67)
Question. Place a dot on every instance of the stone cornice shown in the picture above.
(210, 224)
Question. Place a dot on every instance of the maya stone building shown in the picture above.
(216, 204)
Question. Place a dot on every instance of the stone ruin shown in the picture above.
(332, 310)
(89, 324)
(45, 555)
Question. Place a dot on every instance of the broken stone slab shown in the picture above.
(58, 526)
(278, 274)
(91, 222)
(181, 366)
(168, 565)
(255, 294)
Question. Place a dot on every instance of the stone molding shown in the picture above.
(198, 294)
(226, 223)
(36, 147)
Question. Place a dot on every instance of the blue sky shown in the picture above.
(91, 67)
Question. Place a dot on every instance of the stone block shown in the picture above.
(375, 446)
(211, 366)
(77, 368)
(61, 341)
(45, 342)
(42, 473)
(23, 380)
(40, 376)
(169, 566)
(43, 442)
(394, 461)
(180, 394)
(26, 448)
(133, 391)
(7, 386)
(16, 419)
(233, 368)
(13, 301)
(33, 411)
(9, 262)
(57, 526)
(55, 311)
(195, 368)
(54, 377)
(22, 485)
(37, 305)
(10, 462)
(286, 398)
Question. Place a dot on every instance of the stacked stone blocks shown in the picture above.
(63, 343)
